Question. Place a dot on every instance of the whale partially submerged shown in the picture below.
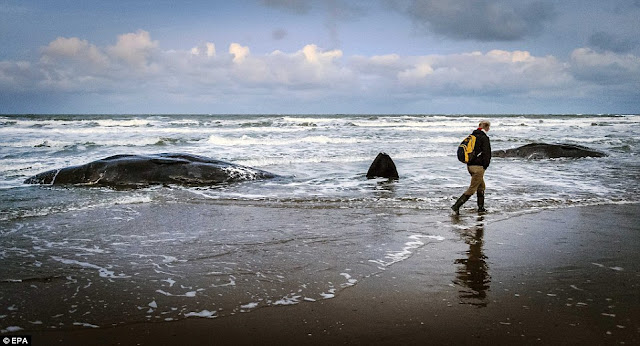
(382, 167)
(548, 151)
(144, 170)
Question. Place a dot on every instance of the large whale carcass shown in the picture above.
(143, 170)
(548, 151)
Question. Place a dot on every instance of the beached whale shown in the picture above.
(382, 167)
(143, 170)
(548, 151)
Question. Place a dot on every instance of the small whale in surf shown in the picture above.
(383, 167)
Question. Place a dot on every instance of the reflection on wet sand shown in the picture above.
(472, 272)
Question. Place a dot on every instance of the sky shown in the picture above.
(320, 57)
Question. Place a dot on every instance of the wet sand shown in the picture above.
(566, 276)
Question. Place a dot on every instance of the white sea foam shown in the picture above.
(103, 272)
(11, 329)
(93, 250)
(330, 294)
(248, 141)
(203, 313)
(616, 268)
(123, 122)
(350, 280)
(251, 305)
(291, 299)
(84, 324)
(69, 207)
(189, 294)
(392, 257)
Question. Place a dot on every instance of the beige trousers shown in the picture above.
(477, 180)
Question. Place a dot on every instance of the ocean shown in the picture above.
(164, 253)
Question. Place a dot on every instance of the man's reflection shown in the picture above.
(472, 273)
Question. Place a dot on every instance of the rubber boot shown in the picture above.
(481, 208)
(459, 203)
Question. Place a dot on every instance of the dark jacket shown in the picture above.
(482, 150)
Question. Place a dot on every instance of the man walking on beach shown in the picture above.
(476, 167)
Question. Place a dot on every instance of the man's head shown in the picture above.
(484, 124)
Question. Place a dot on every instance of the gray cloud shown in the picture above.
(607, 68)
(482, 20)
(279, 34)
(608, 42)
(295, 6)
(335, 11)
(340, 11)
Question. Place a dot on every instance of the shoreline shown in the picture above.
(562, 276)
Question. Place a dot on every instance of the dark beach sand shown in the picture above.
(566, 276)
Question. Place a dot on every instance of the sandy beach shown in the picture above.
(563, 276)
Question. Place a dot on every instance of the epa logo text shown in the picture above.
(16, 340)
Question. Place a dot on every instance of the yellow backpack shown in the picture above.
(465, 149)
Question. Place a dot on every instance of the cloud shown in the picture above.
(339, 11)
(239, 52)
(75, 49)
(73, 66)
(208, 50)
(134, 48)
(18, 76)
(495, 72)
(610, 42)
(605, 68)
(308, 68)
(279, 34)
(380, 66)
(482, 20)
(295, 6)
(335, 12)
(314, 56)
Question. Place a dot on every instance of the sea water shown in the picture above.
(325, 157)
(164, 253)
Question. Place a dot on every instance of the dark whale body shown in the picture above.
(382, 167)
(548, 151)
(143, 170)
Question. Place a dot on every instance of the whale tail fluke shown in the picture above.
(382, 167)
